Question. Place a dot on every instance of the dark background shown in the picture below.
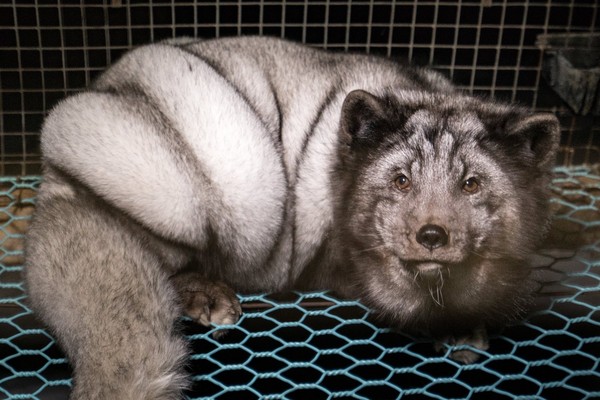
(48, 50)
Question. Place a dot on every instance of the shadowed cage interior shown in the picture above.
(311, 345)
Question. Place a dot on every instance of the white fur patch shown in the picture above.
(228, 139)
(94, 137)
(124, 157)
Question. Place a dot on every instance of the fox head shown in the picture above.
(442, 199)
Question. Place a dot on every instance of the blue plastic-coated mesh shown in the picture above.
(312, 346)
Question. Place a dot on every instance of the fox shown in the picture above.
(193, 170)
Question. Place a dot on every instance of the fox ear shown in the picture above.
(540, 134)
(363, 118)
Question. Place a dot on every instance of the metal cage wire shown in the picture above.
(49, 49)
(290, 348)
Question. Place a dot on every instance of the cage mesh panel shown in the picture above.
(48, 51)
(312, 345)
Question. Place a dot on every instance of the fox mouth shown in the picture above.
(427, 270)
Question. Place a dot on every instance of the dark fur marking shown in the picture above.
(279, 112)
(133, 89)
(217, 68)
(453, 152)
(181, 146)
(277, 241)
(275, 136)
(329, 97)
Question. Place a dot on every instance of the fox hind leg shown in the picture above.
(104, 294)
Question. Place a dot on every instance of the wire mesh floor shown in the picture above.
(312, 346)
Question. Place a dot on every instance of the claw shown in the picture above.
(207, 302)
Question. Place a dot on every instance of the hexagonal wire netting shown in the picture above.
(311, 345)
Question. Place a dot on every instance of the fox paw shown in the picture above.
(477, 340)
(207, 302)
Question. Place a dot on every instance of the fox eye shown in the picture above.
(471, 185)
(402, 182)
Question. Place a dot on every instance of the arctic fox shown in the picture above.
(192, 170)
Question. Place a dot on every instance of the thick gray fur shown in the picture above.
(192, 168)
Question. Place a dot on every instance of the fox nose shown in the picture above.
(432, 236)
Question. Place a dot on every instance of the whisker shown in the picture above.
(416, 275)
(381, 246)
(477, 254)
(441, 286)
(435, 297)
